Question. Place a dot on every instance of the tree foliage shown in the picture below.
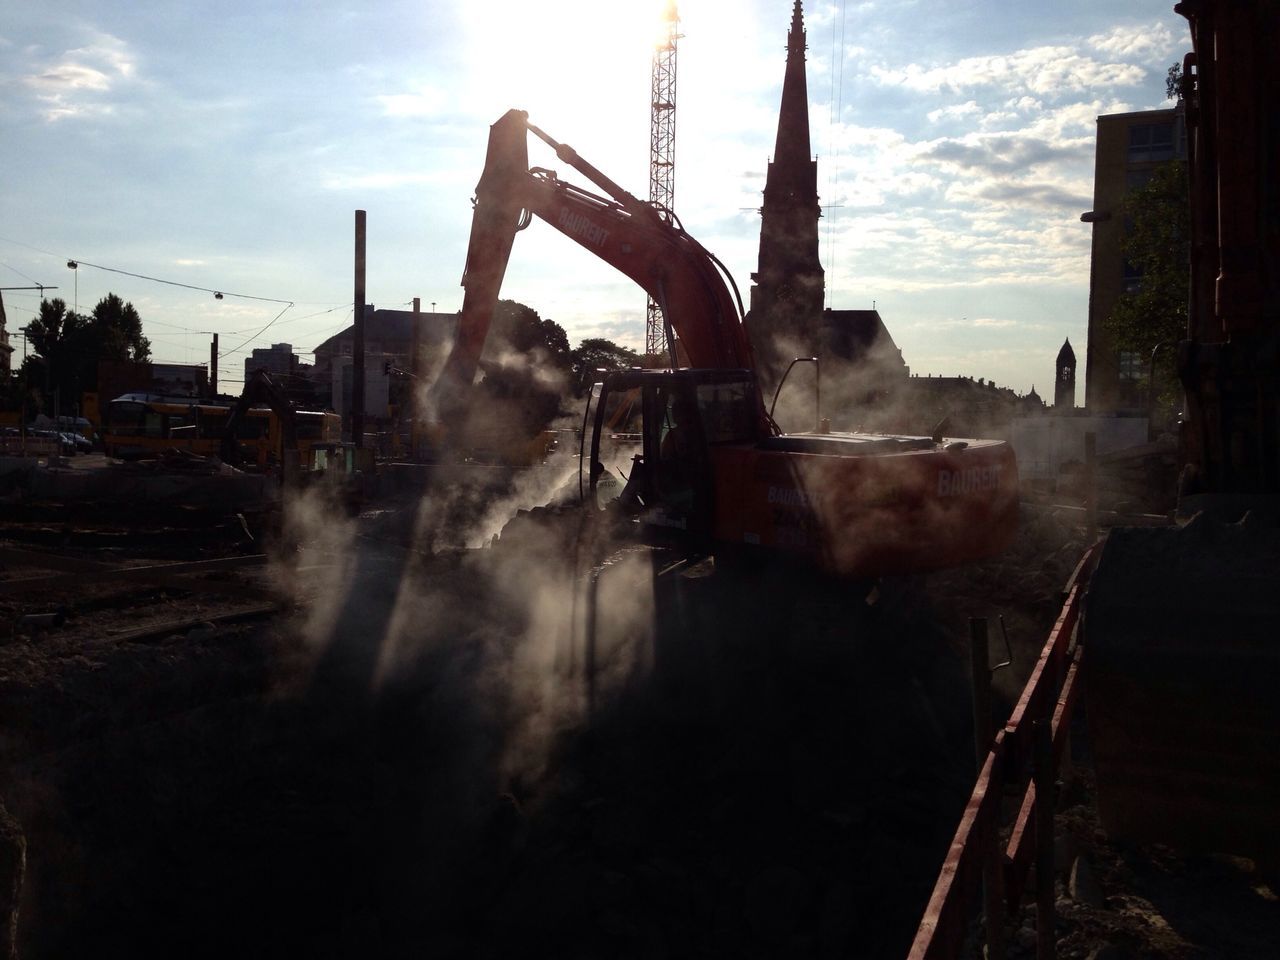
(518, 328)
(525, 365)
(1173, 83)
(116, 329)
(1157, 244)
(67, 346)
(595, 354)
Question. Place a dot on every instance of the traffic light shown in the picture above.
(386, 367)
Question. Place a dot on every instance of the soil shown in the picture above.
(548, 747)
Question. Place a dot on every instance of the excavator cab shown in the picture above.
(669, 485)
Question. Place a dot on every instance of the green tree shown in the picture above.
(1173, 83)
(61, 347)
(518, 328)
(116, 331)
(1157, 246)
(594, 354)
(67, 347)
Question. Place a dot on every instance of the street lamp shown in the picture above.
(72, 265)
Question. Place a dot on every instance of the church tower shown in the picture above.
(1064, 391)
(788, 287)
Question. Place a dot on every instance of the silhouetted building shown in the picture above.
(1064, 390)
(860, 363)
(278, 360)
(6, 351)
(388, 340)
(788, 288)
(1130, 147)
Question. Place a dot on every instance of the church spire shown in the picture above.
(788, 286)
(792, 144)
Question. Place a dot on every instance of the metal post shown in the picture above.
(1091, 486)
(1043, 776)
(980, 665)
(415, 369)
(992, 878)
(213, 366)
(357, 347)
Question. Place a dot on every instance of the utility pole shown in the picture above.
(357, 348)
(662, 160)
(213, 366)
(415, 368)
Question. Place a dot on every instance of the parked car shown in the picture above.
(80, 442)
(66, 445)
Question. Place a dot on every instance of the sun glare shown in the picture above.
(572, 51)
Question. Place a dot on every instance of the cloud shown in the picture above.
(425, 102)
(1041, 194)
(1045, 71)
(1144, 42)
(1005, 153)
(72, 84)
(956, 111)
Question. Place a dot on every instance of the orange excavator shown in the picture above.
(714, 470)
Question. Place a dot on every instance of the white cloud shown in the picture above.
(1145, 42)
(1049, 70)
(72, 84)
(955, 111)
(425, 102)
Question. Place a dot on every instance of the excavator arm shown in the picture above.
(639, 239)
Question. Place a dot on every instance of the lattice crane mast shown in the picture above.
(662, 158)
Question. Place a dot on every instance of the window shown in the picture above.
(727, 412)
(1151, 143)
(1133, 369)
(1131, 280)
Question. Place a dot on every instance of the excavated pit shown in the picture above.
(535, 748)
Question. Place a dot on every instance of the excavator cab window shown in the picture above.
(675, 444)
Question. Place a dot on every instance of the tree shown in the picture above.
(518, 328)
(1157, 246)
(61, 346)
(1173, 83)
(525, 366)
(595, 354)
(69, 345)
(116, 330)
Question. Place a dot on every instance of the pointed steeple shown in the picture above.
(789, 285)
(1064, 392)
(792, 144)
(1066, 356)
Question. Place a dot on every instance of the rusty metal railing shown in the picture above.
(1034, 739)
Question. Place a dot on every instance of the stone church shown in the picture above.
(860, 364)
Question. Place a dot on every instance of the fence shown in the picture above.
(1033, 739)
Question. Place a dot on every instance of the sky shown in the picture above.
(226, 145)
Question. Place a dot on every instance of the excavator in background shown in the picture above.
(261, 390)
(713, 471)
(1182, 624)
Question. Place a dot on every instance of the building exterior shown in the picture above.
(278, 360)
(6, 351)
(1129, 147)
(789, 286)
(860, 364)
(1064, 379)
(388, 341)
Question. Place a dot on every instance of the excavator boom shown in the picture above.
(634, 237)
